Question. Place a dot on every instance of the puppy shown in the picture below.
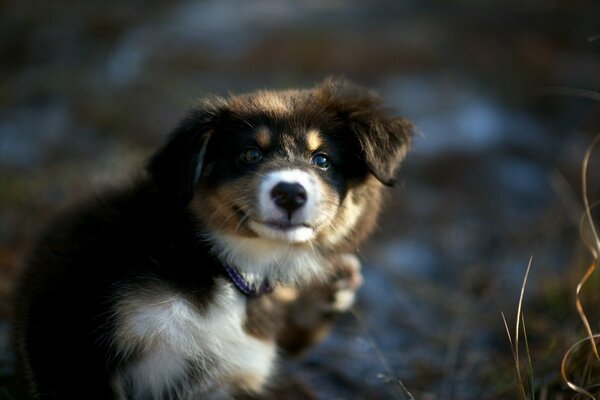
(234, 249)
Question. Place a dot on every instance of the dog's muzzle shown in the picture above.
(288, 206)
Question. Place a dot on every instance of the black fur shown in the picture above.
(174, 167)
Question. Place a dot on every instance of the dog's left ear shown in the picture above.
(383, 139)
(176, 167)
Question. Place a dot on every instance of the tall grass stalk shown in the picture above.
(514, 345)
(593, 245)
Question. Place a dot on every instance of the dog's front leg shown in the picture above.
(309, 312)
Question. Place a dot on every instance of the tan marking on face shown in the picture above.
(220, 208)
(313, 140)
(355, 218)
(263, 137)
(346, 218)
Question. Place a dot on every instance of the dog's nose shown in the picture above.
(289, 196)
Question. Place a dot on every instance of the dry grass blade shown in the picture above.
(594, 247)
(529, 360)
(579, 306)
(584, 226)
(515, 345)
(515, 358)
(564, 368)
(520, 306)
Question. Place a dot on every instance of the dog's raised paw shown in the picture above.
(345, 282)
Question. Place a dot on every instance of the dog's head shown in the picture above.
(297, 169)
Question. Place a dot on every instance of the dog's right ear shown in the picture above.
(176, 167)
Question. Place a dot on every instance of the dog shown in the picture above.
(235, 248)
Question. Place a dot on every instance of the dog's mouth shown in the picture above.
(283, 230)
(284, 225)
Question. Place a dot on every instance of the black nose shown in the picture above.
(289, 196)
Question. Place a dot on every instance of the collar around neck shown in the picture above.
(244, 286)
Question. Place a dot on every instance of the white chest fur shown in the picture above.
(174, 334)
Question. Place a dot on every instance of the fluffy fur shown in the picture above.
(127, 297)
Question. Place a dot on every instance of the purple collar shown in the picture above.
(243, 285)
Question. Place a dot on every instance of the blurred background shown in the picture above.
(505, 98)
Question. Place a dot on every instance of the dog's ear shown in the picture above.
(177, 166)
(383, 139)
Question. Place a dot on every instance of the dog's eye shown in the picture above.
(321, 160)
(251, 155)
